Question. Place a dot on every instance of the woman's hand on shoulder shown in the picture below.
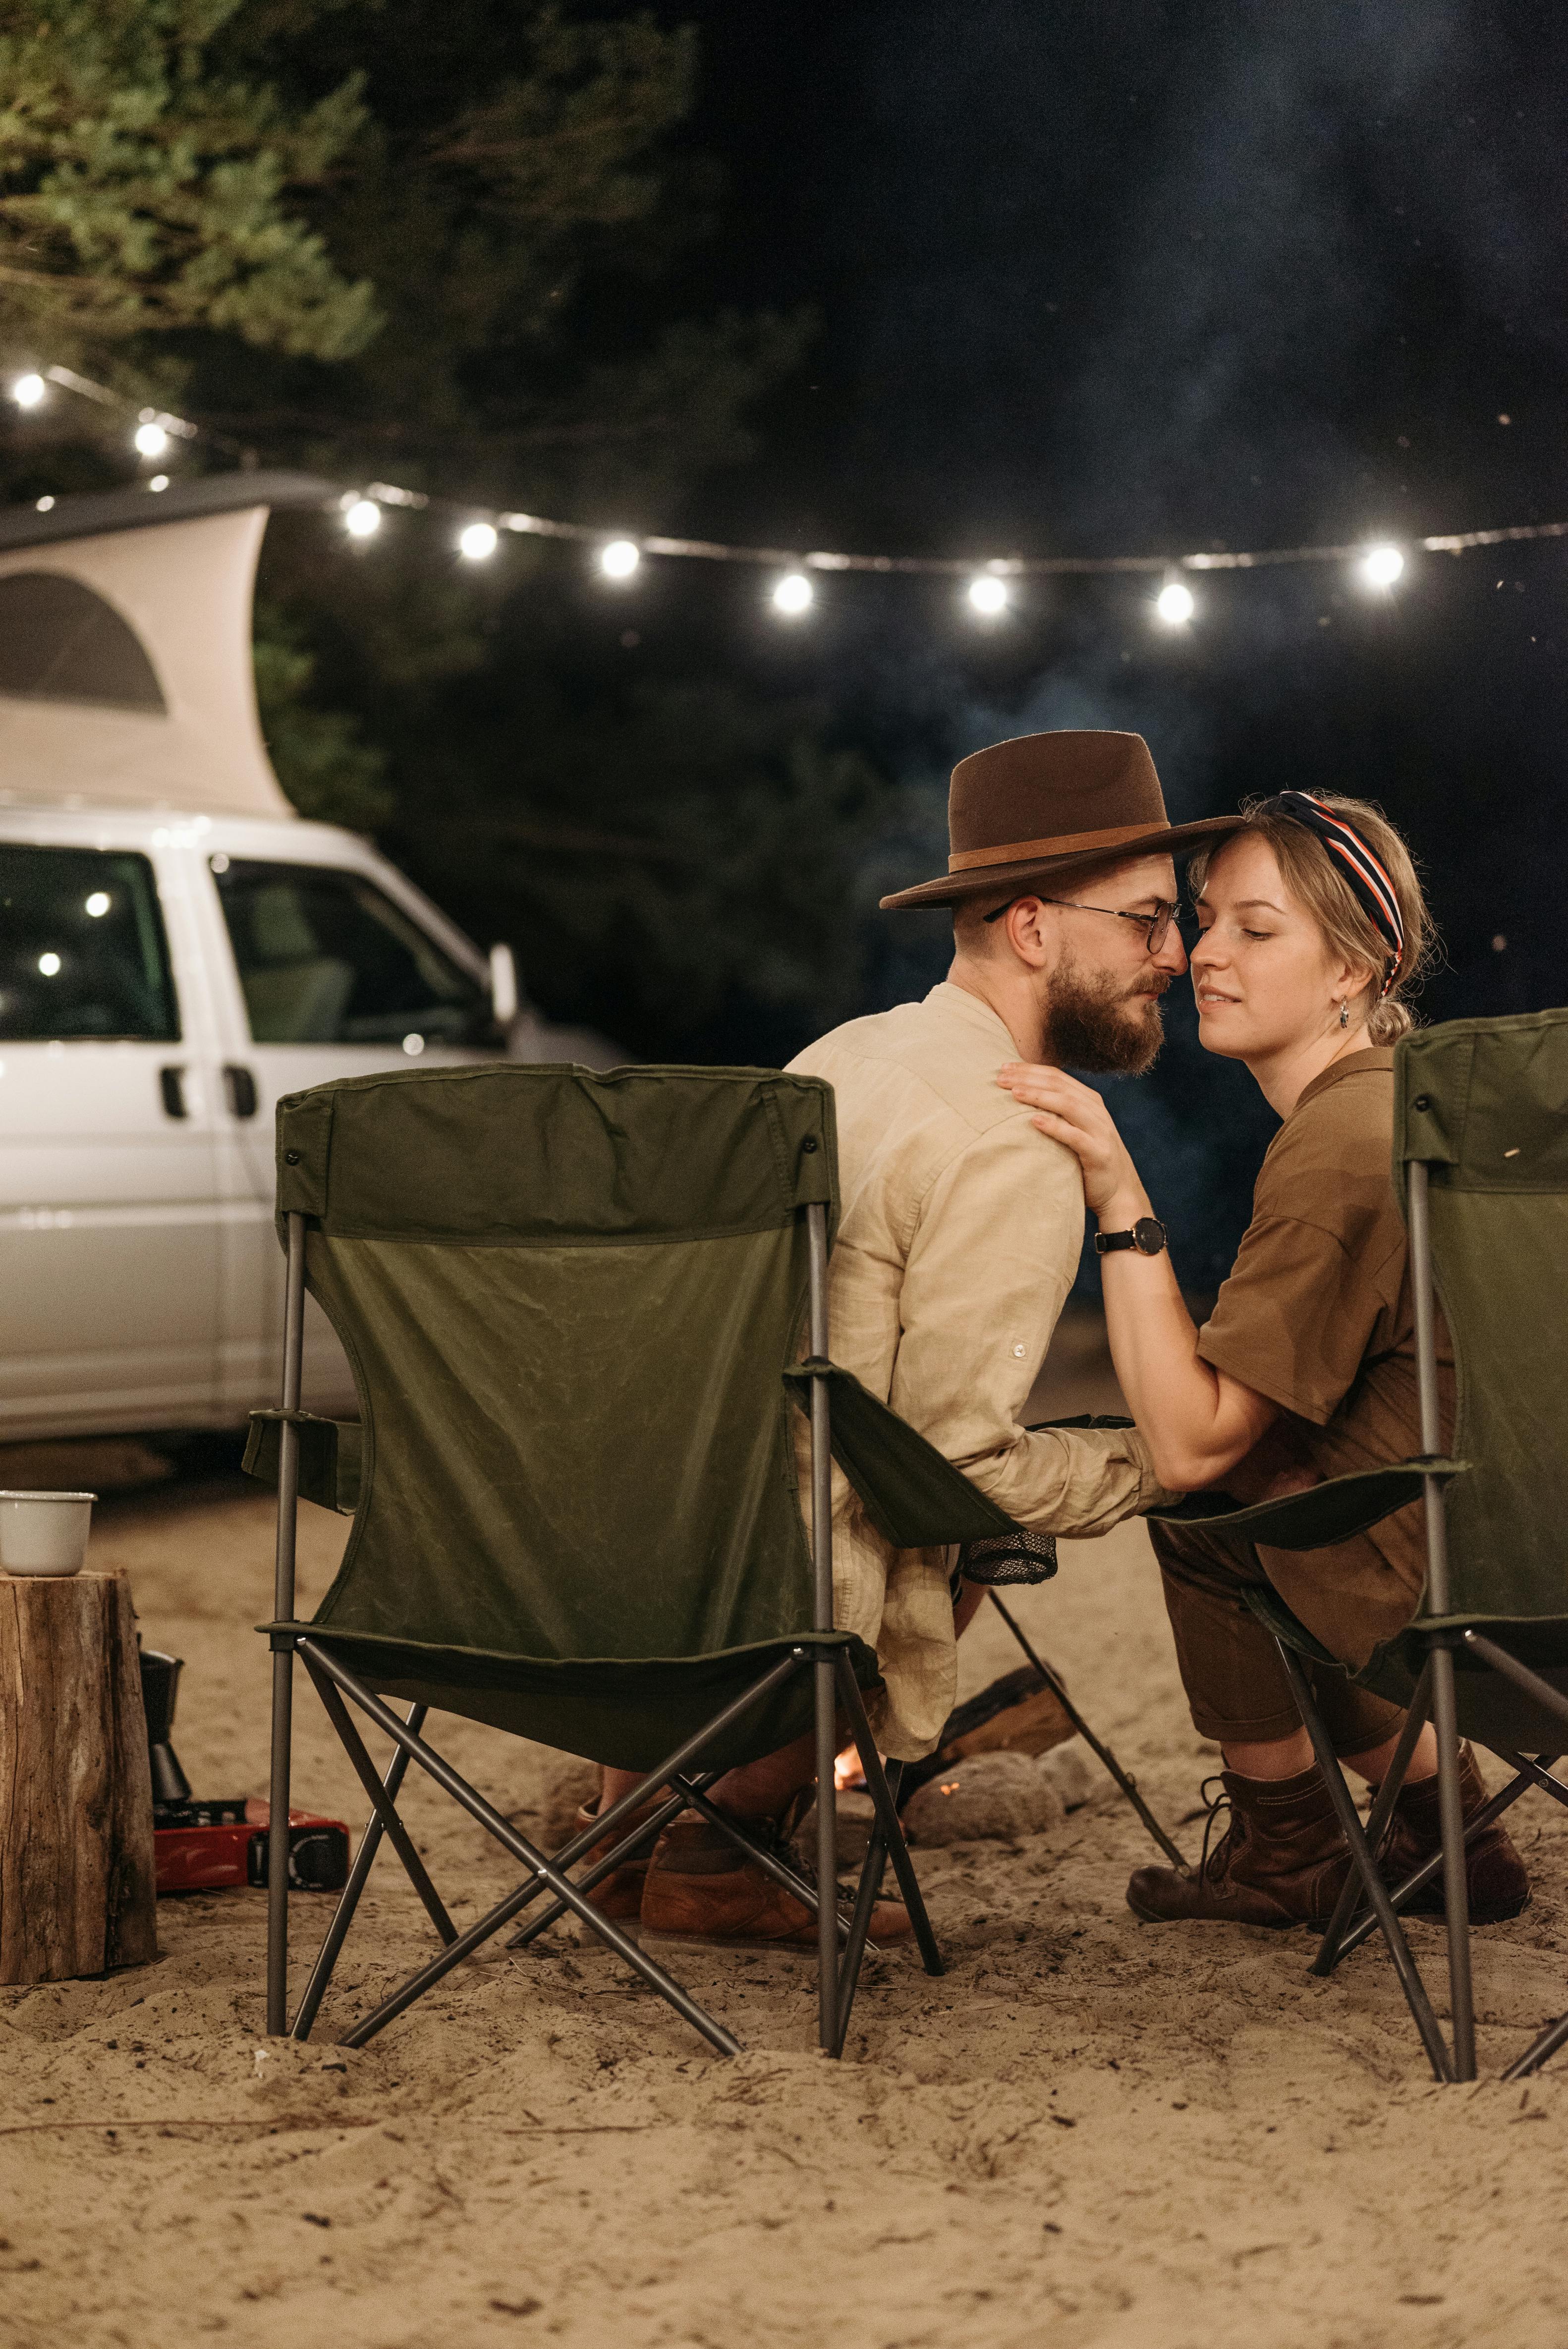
(1074, 1115)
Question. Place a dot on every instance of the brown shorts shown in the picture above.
(1230, 1666)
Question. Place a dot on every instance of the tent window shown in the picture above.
(59, 642)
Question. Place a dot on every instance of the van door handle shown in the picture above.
(240, 1086)
(171, 1085)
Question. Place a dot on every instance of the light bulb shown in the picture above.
(1174, 603)
(158, 482)
(363, 517)
(1381, 565)
(478, 542)
(792, 594)
(620, 558)
(29, 390)
(150, 440)
(988, 595)
(49, 964)
(97, 904)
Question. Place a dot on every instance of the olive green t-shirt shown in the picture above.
(1318, 1315)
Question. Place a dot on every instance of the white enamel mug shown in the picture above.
(44, 1533)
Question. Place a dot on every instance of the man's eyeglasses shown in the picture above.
(1156, 925)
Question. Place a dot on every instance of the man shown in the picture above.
(959, 1237)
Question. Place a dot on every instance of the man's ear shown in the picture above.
(1024, 923)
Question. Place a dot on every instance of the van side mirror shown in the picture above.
(503, 985)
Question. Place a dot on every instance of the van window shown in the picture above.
(326, 958)
(82, 949)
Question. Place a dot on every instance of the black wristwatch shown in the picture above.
(1146, 1236)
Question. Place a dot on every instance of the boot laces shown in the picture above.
(1213, 1864)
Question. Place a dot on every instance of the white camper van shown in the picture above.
(177, 949)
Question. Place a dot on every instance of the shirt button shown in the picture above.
(1019, 1351)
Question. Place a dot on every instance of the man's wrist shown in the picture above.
(1121, 1213)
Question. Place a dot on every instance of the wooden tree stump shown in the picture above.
(75, 1792)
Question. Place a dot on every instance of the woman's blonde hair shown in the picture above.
(1317, 881)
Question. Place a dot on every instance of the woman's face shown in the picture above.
(1265, 981)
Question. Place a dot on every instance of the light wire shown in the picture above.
(937, 567)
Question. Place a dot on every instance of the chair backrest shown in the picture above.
(1484, 1104)
(568, 1298)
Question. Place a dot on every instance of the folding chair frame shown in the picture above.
(841, 1941)
(1435, 1699)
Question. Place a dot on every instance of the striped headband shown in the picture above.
(1367, 874)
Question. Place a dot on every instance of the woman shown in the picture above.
(1313, 930)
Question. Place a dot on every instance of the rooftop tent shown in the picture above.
(126, 677)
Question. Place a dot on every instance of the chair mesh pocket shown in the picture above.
(1018, 1556)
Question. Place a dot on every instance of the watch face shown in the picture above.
(1149, 1235)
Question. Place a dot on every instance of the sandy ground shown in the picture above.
(1089, 2131)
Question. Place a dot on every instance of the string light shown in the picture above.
(1378, 566)
(1381, 565)
(793, 594)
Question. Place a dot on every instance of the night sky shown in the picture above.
(1137, 278)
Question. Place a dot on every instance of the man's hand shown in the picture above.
(1074, 1115)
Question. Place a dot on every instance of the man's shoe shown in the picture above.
(1498, 1880)
(618, 1895)
(1281, 1861)
(702, 1890)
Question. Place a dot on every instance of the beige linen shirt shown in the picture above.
(959, 1235)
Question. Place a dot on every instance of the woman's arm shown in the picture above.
(1197, 1421)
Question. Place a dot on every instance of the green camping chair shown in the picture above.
(574, 1303)
(1480, 1167)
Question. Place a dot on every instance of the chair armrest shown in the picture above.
(329, 1456)
(1325, 1514)
(915, 1498)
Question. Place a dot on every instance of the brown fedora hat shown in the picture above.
(1029, 808)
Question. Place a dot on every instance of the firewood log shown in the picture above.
(76, 1792)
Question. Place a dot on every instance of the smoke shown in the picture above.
(1144, 275)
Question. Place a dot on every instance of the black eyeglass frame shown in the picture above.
(1156, 925)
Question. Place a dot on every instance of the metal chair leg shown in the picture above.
(282, 1647)
(865, 1902)
(1410, 1982)
(892, 1826)
(1330, 1951)
(358, 1877)
(823, 1676)
(1456, 1883)
(1401, 1896)
(544, 1873)
(397, 1832)
(1124, 1778)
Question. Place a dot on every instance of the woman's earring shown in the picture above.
(1345, 1014)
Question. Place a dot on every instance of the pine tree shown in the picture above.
(143, 193)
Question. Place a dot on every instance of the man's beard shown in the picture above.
(1099, 1024)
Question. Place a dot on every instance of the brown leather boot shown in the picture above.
(620, 1894)
(1498, 1882)
(1281, 1861)
(702, 1890)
